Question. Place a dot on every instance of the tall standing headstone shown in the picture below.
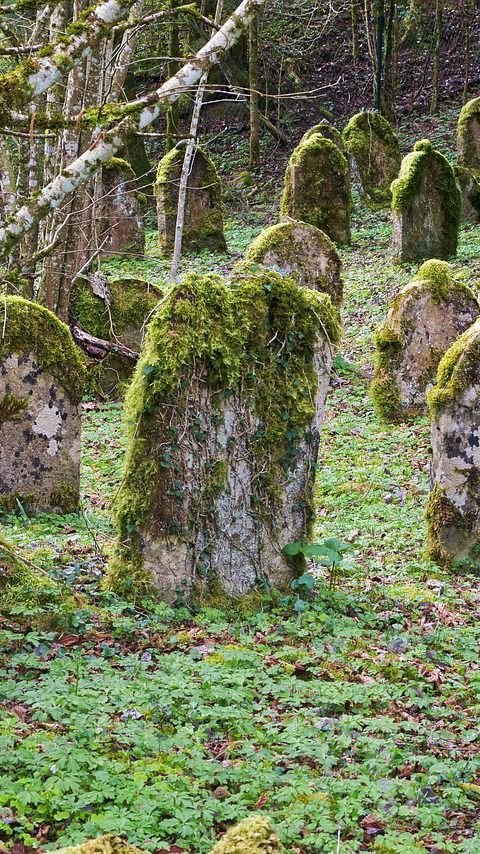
(468, 136)
(317, 188)
(426, 206)
(121, 211)
(453, 510)
(224, 414)
(203, 223)
(42, 375)
(301, 250)
(424, 319)
(375, 154)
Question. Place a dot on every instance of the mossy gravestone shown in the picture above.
(203, 224)
(301, 250)
(317, 188)
(426, 206)
(121, 211)
(224, 414)
(375, 154)
(42, 375)
(453, 510)
(423, 321)
(468, 136)
(469, 188)
(115, 310)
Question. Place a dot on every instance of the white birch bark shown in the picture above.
(108, 142)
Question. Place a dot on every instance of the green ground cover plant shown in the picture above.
(353, 720)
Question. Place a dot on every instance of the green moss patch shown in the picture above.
(131, 302)
(20, 583)
(31, 328)
(457, 370)
(253, 835)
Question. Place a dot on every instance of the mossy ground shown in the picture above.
(169, 726)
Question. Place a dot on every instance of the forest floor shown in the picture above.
(354, 723)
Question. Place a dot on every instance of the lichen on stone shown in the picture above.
(374, 149)
(253, 835)
(317, 188)
(205, 331)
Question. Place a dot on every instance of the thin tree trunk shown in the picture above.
(254, 109)
(437, 55)
(467, 21)
(187, 164)
(354, 24)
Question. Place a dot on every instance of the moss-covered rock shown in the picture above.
(107, 844)
(42, 377)
(468, 136)
(375, 153)
(469, 187)
(253, 835)
(426, 206)
(301, 250)
(453, 510)
(203, 224)
(117, 311)
(223, 415)
(317, 188)
(424, 319)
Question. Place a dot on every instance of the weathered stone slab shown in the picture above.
(116, 310)
(42, 375)
(453, 511)
(468, 135)
(375, 155)
(426, 206)
(425, 318)
(317, 188)
(203, 225)
(469, 188)
(301, 250)
(121, 211)
(224, 414)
